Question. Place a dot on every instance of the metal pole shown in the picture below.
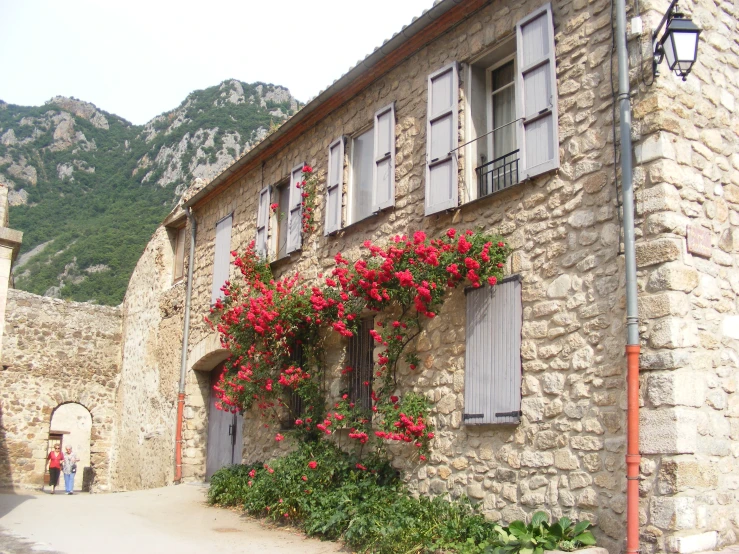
(185, 341)
(632, 313)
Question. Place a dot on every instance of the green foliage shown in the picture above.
(539, 535)
(106, 216)
(329, 493)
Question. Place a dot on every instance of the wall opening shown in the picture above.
(71, 425)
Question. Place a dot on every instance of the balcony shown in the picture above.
(497, 175)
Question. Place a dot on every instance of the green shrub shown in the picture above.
(333, 495)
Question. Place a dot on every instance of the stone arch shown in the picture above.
(73, 422)
(207, 354)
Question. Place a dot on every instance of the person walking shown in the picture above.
(54, 461)
(69, 468)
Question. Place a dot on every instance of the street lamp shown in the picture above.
(679, 43)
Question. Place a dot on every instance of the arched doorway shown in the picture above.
(225, 432)
(71, 425)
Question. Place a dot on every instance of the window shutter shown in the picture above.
(179, 254)
(441, 140)
(383, 192)
(295, 212)
(536, 81)
(492, 388)
(262, 220)
(222, 259)
(334, 185)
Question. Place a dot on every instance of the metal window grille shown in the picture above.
(498, 174)
(361, 347)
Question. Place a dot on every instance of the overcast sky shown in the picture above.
(138, 58)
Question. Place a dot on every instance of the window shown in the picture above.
(363, 150)
(280, 233)
(178, 269)
(492, 388)
(511, 129)
(361, 360)
(222, 257)
(371, 172)
(282, 199)
(293, 401)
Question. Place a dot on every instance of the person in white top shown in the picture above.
(69, 468)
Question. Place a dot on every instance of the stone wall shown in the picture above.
(688, 179)
(567, 455)
(55, 352)
(146, 400)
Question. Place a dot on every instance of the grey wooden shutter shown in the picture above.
(222, 258)
(536, 83)
(492, 381)
(334, 185)
(295, 212)
(441, 140)
(383, 173)
(260, 245)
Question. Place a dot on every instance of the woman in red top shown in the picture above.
(55, 463)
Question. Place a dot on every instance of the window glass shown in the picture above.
(283, 207)
(362, 160)
(504, 110)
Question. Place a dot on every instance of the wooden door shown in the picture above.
(225, 433)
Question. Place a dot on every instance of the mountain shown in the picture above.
(88, 188)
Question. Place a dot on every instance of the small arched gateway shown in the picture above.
(71, 425)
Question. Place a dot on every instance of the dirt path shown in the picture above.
(168, 520)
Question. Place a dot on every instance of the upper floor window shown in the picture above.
(222, 257)
(281, 211)
(371, 172)
(361, 185)
(511, 131)
(280, 217)
(178, 269)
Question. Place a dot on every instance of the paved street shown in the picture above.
(167, 520)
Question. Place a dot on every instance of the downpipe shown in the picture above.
(632, 309)
(183, 359)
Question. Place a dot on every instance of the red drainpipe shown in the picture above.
(178, 437)
(185, 342)
(632, 449)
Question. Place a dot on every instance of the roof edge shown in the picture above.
(407, 32)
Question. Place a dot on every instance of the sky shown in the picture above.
(137, 58)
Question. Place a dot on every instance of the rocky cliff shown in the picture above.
(88, 188)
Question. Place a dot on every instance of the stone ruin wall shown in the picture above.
(146, 400)
(567, 455)
(687, 178)
(55, 352)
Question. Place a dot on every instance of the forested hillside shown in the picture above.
(88, 188)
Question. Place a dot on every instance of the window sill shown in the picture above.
(285, 260)
(488, 196)
(372, 217)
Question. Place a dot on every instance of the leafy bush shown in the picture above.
(330, 494)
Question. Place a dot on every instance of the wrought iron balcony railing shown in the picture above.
(498, 174)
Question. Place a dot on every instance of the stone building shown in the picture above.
(497, 115)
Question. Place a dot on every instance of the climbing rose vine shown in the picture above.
(308, 199)
(276, 330)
